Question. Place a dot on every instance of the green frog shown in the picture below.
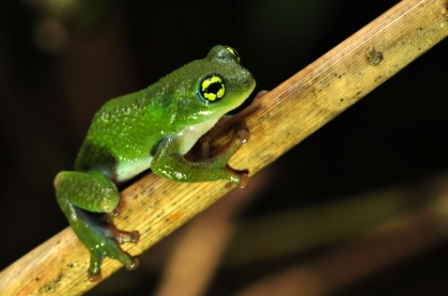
(151, 129)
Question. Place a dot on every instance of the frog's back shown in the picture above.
(183, 104)
(121, 137)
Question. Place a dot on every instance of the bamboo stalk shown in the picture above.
(285, 116)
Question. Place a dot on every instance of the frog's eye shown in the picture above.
(234, 53)
(212, 88)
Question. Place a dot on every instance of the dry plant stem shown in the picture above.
(197, 253)
(294, 110)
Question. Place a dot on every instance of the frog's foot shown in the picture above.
(222, 158)
(111, 239)
(108, 242)
(103, 239)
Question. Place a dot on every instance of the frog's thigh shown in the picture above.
(91, 191)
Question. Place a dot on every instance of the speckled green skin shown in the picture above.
(152, 128)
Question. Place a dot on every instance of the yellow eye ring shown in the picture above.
(212, 88)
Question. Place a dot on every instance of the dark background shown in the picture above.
(50, 92)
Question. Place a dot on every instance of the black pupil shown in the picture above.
(213, 88)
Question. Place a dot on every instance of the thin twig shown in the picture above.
(277, 122)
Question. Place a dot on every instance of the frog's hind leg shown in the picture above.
(79, 194)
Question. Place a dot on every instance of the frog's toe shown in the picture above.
(133, 237)
(261, 94)
(243, 137)
(241, 179)
(123, 236)
(244, 181)
(135, 263)
(94, 277)
(94, 272)
(205, 148)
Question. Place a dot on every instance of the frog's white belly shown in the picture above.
(191, 134)
(185, 140)
(127, 169)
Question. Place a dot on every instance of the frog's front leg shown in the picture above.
(168, 163)
(82, 194)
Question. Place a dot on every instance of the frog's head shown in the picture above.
(211, 87)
